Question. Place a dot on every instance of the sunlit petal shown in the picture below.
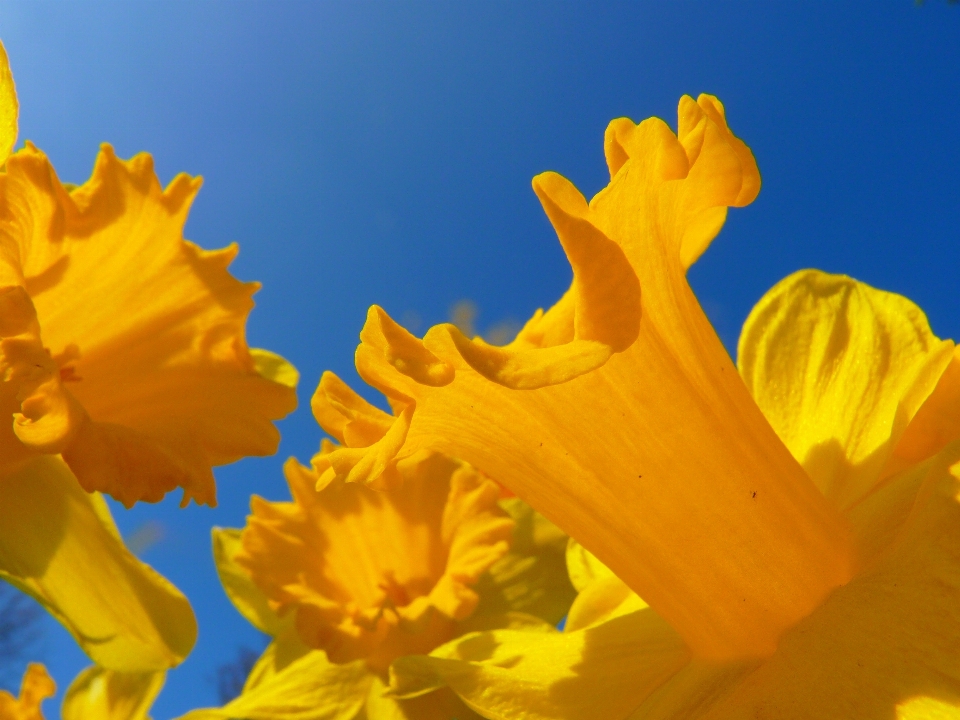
(58, 544)
(839, 369)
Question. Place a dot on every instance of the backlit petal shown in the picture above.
(100, 694)
(438, 705)
(602, 672)
(531, 578)
(9, 108)
(247, 598)
(311, 688)
(138, 371)
(839, 369)
(935, 425)
(57, 544)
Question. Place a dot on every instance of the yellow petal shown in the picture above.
(602, 596)
(532, 577)
(926, 708)
(285, 650)
(9, 108)
(146, 380)
(100, 694)
(57, 547)
(312, 688)
(839, 369)
(593, 438)
(37, 685)
(602, 672)
(935, 425)
(246, 597)
(887, 639)
(438, 705)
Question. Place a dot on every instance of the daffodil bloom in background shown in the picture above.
(95, 694)
(124, 370)
(778, 541)
(348, 579)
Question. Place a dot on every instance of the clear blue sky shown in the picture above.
(382, 152)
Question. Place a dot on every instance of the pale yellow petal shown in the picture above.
(311, 688)
(285, 649)
(9, 109)
(100, 694)
(592, 444)
(246, 597)
(57, 547)
(926, 708)
(935, 425)
(602, 672)
(147, 378)
(839, 369)
(601, 596)
(442, 704)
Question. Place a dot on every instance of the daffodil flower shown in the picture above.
(347, 579)
(95, 694)
(124, 370)
(776, 540)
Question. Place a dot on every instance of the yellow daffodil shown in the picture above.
(777, 541)
(348, 579)
(123, 369)
(95, 694)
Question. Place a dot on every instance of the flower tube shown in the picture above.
(618, 413)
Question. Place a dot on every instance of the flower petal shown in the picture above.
(657, 459)
(935, 425)
(531, 578)
(438, 705)
(101, 694)
(839, 369)
(9, 108)
(602, 596)
(36, 686)
(886, 639)
(246, 597)
(602, 672)
(144, 330)
(311, 688)
(60, 547)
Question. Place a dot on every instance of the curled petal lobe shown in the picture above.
(618, 413)
(61, 547)
(139, 372)
(37, 686)
(839, 369)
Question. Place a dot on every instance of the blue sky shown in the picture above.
(382, 152)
